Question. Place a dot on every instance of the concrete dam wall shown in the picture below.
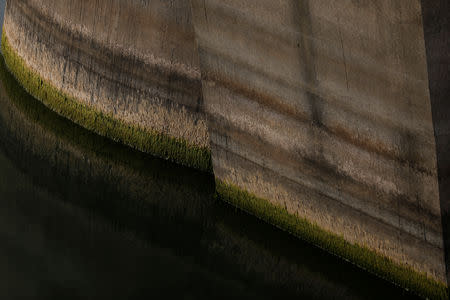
(324, 109)
(135, 61)
(327, 119)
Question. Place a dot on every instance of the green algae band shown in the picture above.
(364, 257)
(337, 114)
(177, 150)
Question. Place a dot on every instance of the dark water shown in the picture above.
(84, 218)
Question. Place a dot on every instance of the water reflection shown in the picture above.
(82, 217)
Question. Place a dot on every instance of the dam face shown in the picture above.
(335, 113)
(324, 109)
(136, 61)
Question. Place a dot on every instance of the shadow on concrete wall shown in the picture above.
(307, 58)
(436, 23)
(411, 200)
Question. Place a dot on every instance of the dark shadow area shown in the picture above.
(436, 20)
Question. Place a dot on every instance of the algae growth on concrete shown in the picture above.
(145, 92)
(328, 121)
(380, 265)
(325, 109)
(162, 145)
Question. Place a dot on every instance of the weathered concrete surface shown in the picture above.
(136, 60)
(323, 107)
(336, 110)
(174, 206)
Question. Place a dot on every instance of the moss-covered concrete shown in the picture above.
(323, 108)
(417, 282)
(161, 145)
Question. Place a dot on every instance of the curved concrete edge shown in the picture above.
(159, 144)
(150, 78)
(417, 282)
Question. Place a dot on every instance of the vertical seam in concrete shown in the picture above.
(343, 52)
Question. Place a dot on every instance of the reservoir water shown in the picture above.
(82, 217)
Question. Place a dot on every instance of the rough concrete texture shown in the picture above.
(136, 60)
(335, 110)
(324, 108)
(164, 197)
